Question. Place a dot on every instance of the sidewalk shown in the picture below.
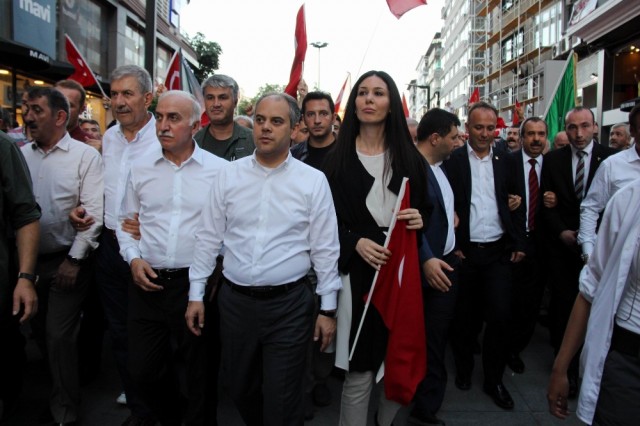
(460, 408)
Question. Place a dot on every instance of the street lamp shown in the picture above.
(319, 45)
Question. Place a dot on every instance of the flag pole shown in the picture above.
(394, 219)
(555, 90)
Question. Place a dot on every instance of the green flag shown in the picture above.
(564, 98)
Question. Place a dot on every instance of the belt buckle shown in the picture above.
(481, 245)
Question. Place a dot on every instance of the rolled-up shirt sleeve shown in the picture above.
(590, 208)
(325, 245)
(92, 199)
(209, 239)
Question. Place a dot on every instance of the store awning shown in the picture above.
(22, 57)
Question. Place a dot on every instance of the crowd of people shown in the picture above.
(243, 251)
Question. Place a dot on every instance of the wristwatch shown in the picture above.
(330, 314)
(31, 277)
(584, 257)
(74, 260)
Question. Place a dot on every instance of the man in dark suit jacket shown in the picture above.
(489, 239)
(437, 134)
(528, 279)
(559, 175)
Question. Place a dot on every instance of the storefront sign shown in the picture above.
(34, 24)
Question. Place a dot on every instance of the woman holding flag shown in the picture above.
(373, 154)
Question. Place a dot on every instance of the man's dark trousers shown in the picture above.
(439, 309)
(485, 282)
(264, 345)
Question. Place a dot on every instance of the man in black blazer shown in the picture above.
(437, 134)
(528, 275)
(559, 175)
(489, 239)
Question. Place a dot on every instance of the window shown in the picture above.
(133, 46)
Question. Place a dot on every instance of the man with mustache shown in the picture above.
(160, 260)
(528, 282)
(65, 173)
(222, 136)
(134, 135)
(513, 139)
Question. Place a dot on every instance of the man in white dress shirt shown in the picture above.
(166, 188)
(65, 173)
(276, 218)
(615, 172)
(606, 309)
(135, 133)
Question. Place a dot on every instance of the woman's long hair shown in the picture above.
(401, 153)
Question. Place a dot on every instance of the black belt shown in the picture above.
(490, 244)
(171, 274)
(625, 341)
(264, 292)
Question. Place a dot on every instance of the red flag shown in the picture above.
(301, 52)
(501, 124)
(173, 80)
(83, 73)
(400, 7)
(516, 115)
(397, 295)
(339, 98)
(405, 108)
(475, 96)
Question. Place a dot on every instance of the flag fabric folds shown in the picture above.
(338, 101)
(83, 73)
(301, 52)
(516, 115)
(400, 7)
(564, 98)
(405, 108)
(397, 295)
(475, 96)
(173, 81)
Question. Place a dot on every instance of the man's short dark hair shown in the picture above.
(317, 96)
(633, 118)
(89, 121)
(482, 105)
(55, 99)
(5, 116)
(74, 85)
(438, 121)
(533, 120)
(578, 109)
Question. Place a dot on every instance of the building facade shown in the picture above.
(108, 33)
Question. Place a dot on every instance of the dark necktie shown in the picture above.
(533, 194)
(579, 182)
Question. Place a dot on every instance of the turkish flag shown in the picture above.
(339, 98)
(516, 114)
(397, 295)
(301, 53)
(501, 124)
(173, 80)
(475, 96)
(83, 73)
(405, 108)
(400, 7)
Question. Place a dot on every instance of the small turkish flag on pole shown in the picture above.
(83, 73)
(339, 99)
(405, 108)
(301, 53)
(475, 96)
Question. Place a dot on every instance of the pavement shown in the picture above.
(461, 408)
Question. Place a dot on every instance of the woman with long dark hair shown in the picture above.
(373, 152)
